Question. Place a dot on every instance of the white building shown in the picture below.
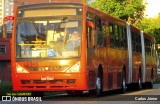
(1, 11)
(6, 9)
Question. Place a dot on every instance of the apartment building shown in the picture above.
(6, 9)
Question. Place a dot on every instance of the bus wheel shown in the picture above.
(98, 86)
(123, 89)
(150, 85)
(139, 82)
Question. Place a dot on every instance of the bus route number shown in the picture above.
(47, 78)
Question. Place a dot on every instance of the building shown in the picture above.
(1, 11)
(5, 60)
(6, 9)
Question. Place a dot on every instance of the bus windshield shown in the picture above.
(48, 37)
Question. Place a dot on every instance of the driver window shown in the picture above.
(90, 34)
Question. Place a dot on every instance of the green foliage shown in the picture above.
(122, 9)
(151, 26)
(5, 87)
(6, 90)
(131, 11)
(157, 81)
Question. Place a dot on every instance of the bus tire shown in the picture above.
(150, 84)
(123, 89)
(99, 85)
(139, 84)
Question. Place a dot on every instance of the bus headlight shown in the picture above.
(74, 68)
(20, 69)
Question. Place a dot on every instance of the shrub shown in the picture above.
(5, 87)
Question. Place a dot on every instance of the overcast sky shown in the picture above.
(152, 8)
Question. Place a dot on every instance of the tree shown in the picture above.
(151, 26)
(131, 11)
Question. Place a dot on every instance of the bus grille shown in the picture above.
(57, 81)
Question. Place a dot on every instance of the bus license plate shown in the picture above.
(47, 78)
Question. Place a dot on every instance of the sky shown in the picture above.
(152, 8)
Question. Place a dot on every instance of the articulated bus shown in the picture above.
(111, 54)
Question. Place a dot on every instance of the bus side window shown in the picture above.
(111, 33)
(98, 32)
(104, 30)
(90, 34)
(125, 38)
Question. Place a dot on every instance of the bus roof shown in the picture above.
(28, 2)
(46, 5)
(149, 36)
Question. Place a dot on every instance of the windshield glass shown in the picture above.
(54, 38)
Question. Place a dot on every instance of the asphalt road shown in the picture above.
(145, 96)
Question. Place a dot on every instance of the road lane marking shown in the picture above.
(88, 102)
(119, 96)
(139, 92)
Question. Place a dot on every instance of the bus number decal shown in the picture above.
(44, 78)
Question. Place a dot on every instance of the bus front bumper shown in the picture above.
(50, 82)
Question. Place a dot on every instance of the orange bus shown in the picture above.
(108, 53)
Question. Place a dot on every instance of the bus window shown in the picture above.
(98, 32)
(116, 30)
(90, 34)
(125, 38)
(39, 38)
(112, 37)
(104, 34)
(98, 26)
